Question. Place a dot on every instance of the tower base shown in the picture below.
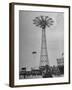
(46, 71)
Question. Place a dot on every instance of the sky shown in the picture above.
(30, 38)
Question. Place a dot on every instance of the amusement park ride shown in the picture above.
(43, 22)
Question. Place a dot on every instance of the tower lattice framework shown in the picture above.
(44, 54)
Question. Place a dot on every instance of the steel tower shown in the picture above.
(43, 22)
